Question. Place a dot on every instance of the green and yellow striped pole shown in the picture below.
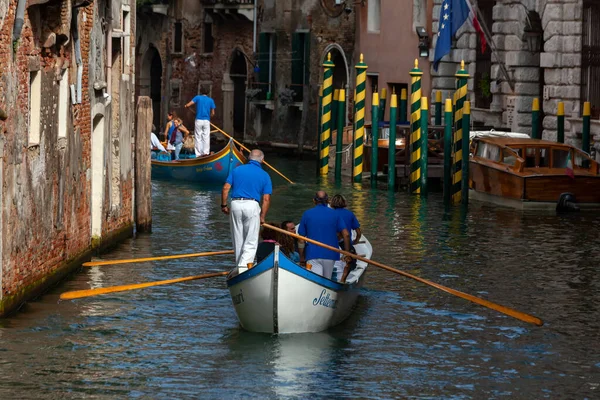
(448, 152)
(392, 143)
(460, 96)
(341, 121)
(438, 108)
(560, 123)
(375, 138)
(535, 119)
(403, 105)
(424, 144)
(326, 124)
(466, 130)
(359, 119)
(415, 126)
(382, 103)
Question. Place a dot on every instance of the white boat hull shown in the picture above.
(278, 296)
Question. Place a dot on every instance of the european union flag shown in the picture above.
(453, 14)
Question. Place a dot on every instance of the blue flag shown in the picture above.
(453, 14)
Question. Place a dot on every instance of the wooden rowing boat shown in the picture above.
(279, 296)
(211, 169)
(530, 173)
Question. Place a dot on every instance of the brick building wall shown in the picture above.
(46, 202)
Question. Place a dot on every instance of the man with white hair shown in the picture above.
(249, 185)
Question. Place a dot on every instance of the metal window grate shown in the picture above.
(590, 57)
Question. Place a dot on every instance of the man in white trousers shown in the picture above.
(205, 109)
(249, 185)
(322, 224)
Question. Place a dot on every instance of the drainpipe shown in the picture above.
(19, 20)
(77, 52)
(109, 29)
(254, 30)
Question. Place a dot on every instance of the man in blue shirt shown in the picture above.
(322, 224)
(249, 184)
(205, 109)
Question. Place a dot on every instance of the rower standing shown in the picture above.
(249, 184)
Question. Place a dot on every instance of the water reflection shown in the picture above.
(406, 340)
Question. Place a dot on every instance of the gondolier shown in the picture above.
(323, 224)
(205, 109)
(249, 185)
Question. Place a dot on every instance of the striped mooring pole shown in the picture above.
(535, 118)
(392, 143)
(326, 124)
(424, 144)
(461, 96)
(560, 123)
(382, 103)
(334, 111)
(341, 121)
(375, 138)
(415, 129)
(438, 108)
(466, 131)
(448, 152)
(403, 105)
(359, 120)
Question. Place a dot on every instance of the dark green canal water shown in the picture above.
(405, 340)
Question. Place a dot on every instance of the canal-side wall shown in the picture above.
(67, 159)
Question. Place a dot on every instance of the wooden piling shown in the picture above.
(143, 187)
(560, 123)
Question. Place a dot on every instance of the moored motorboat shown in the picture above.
(279, 296)
(210, 169)
(529, 173)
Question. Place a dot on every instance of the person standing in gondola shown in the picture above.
(322, 224)
(249, 185)
(205, 109)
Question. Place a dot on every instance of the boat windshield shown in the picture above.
(509, 157)
(536, 157)
(489, 151)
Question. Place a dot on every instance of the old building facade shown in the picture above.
(539, 48)
(185, 45)
(66, 165)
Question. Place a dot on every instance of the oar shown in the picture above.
(78, 294)
(505, 310)
(245, 148)
(133, 260)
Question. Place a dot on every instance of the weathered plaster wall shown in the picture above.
(46, 192)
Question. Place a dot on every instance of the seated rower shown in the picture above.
(338, 203)
(267, 246)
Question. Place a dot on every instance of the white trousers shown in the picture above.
(245, 226)
(202, 137)
(322, 267)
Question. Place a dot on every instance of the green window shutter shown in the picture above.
(297, 59)
(307, 38)
(263, 60)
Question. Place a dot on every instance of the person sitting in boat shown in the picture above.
(338, 203)
(290, 226)
(170, 127)
(288, 246)
(266, 247)
(177, 136)
(322, 224)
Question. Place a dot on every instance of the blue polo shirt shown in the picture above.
(249, 181)
(203, 106)
(349, 218)
(322, 224)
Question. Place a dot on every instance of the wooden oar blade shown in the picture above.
(78, 294)
(497, 307)
(134, 260)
